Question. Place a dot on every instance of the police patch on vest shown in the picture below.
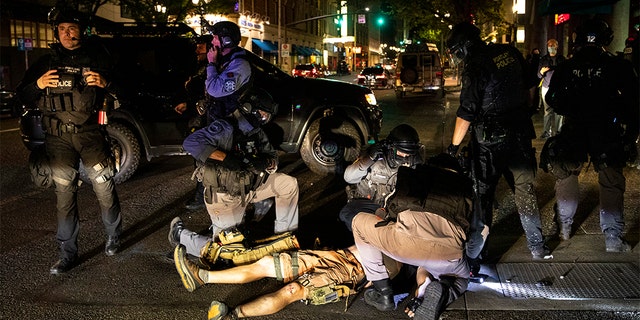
(229, 86)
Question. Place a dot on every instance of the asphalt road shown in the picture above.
(141, 282)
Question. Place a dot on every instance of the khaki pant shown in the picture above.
(421, 239)
(227, 211)
(319, 267)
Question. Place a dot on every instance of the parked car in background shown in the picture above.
(307, 70)
(419, 70)
(9, 105)
(328, 130)
(375, 77)
(343, 68)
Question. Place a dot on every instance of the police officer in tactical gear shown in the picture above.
(228, 72)
(493, 105)
(237, 166)
(432, 204)
(372, 177)
(597, 93)
(69, 85)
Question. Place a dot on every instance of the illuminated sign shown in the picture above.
(562, 18)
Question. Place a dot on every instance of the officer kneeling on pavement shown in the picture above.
(426, 226)
(373, 175)
(70, 86)
(237, 166)
(597, 93)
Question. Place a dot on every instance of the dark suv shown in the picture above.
(327, 121)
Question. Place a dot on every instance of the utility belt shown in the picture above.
(56, 127)
(217, 179)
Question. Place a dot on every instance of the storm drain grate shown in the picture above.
(569, 281)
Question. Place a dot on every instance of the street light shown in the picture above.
(160, 9)
(203, 21)
(356, 20)
(380, 24)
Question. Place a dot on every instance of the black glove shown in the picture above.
(375, 151)
(260, 162)
(452, 149)
(233, 162)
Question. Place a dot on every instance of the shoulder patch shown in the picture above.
(229, 85)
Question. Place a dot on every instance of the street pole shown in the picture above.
(355, 25)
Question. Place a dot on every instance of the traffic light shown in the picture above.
(380, 21)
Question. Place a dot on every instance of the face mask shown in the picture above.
(552, 50)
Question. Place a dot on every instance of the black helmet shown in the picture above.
(228, 33)
(461, 37)
(594, 32)
(255, 99)
(403, 138)
(57, 16)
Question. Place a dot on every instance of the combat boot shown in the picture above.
(197, 202)
(112, 245)
(615, 243)
(63, 265)
(435, 301)
(380, 296)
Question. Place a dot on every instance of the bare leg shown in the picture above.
(263, 268)
(272, 302)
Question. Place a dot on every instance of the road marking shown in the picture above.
(9, 130)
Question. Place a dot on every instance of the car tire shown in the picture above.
(125, 148)
(330, 145)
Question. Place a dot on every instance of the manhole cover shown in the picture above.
(569, 281)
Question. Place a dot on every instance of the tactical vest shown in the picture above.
(436, 190)
(377, 185)
(72, 103)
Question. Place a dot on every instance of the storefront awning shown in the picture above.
(315, 52)
(302, 51)
(576, 6)
(265, 45)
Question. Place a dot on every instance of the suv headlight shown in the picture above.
(371, 98)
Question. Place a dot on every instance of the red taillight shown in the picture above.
(382, 76)
(439, 74)
(360, 76)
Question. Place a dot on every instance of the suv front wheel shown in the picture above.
(330, 145)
